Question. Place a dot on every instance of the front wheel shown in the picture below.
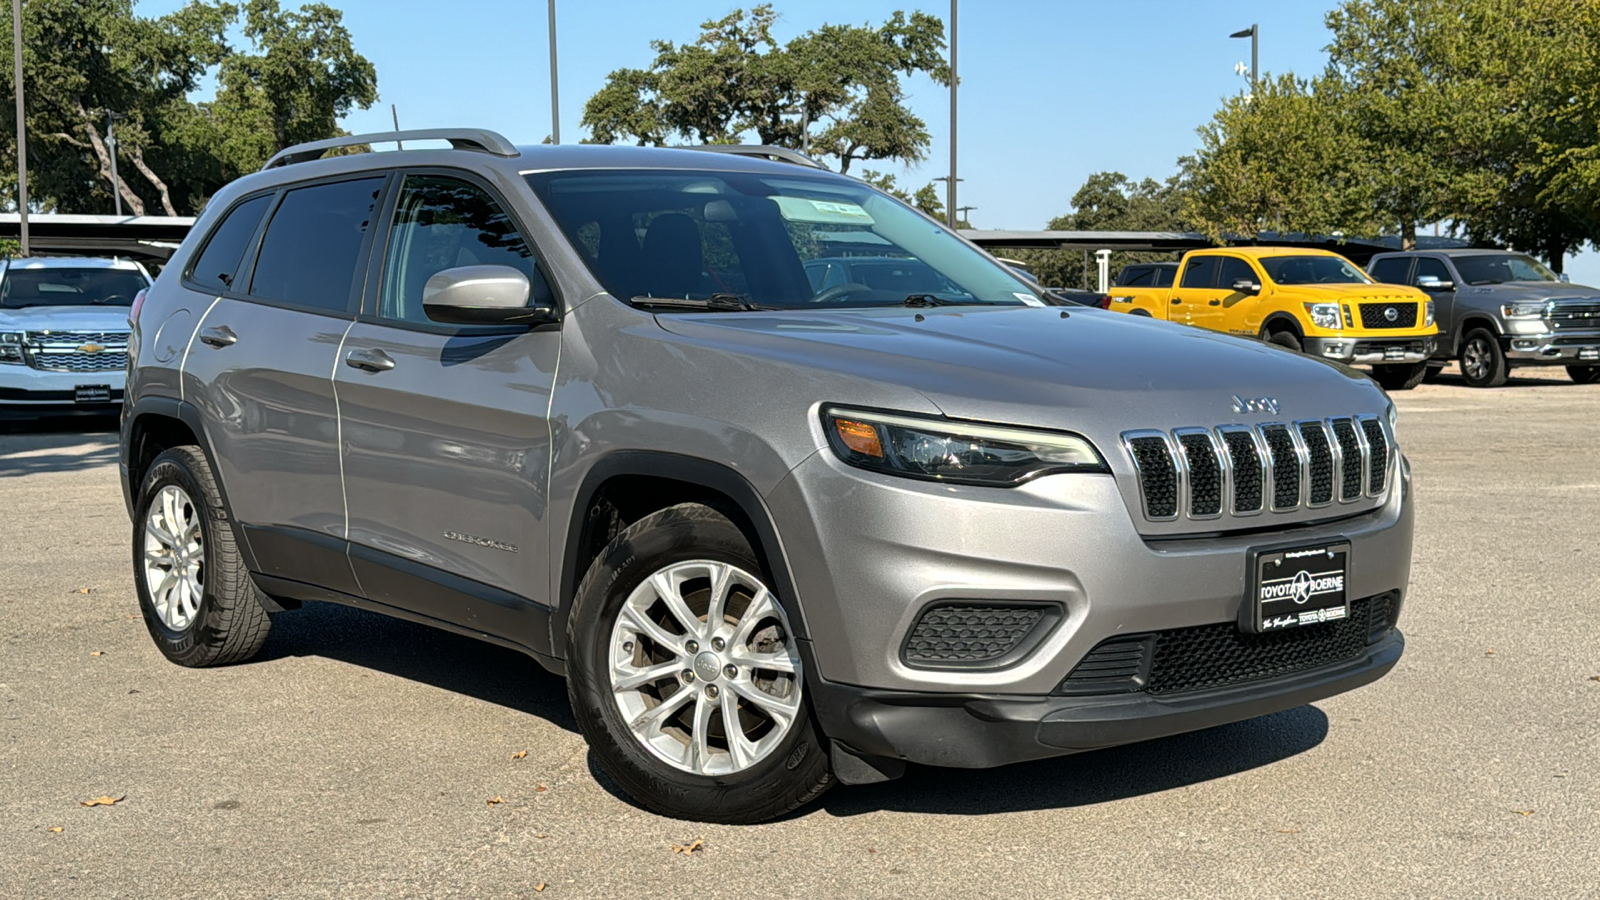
(685, 675)
(1483, 363)
(1287, 340)
(1400, 376)
(1584, 374)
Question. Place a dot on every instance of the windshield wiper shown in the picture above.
(918, 301)
(713, 303)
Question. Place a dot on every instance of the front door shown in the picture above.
(1431, 271)
(1232, 310)
(446, 440)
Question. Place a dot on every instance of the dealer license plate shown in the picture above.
(1394, 351)
(92, 393)
(1589, 354)
(1296, 587)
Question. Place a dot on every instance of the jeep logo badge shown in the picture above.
(1255, 404)
(1391, 313)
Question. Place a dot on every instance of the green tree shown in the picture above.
(1108, 201)
(1280, 160)
(834, 92)
(925, 198)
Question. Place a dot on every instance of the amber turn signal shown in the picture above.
(860, 437)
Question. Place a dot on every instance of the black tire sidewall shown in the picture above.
(764, 790)
(1498, 368)
(196, 640)
(1286, 340)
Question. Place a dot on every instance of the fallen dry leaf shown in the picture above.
(103, 801)
(539, 789)
(1594, 677)
(520, 754)
(98, 653)
(1523, 812)
(497, 800)
(55, 829)
(698, 845)
(1489, 652)
(84, 590)
(539, 887)
(1288, 831)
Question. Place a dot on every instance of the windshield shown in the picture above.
(70, 287)
(776, 241)
(1312, 270)
(1496, 268)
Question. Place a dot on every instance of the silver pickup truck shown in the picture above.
(1498, 309)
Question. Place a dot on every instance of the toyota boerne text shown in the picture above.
(776, 528)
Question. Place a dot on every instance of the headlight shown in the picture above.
(955, 452)
(1394, 422)
(10, 347)
(1324, 315)
(1427, 314)
(1522, 310)
(10, 337)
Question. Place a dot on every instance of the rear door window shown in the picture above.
(215, 267)
(1200, 272)
(1391, 270)
(312, 249)
(1164, 276)
(1138, 276)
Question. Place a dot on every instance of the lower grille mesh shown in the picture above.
(970, 634)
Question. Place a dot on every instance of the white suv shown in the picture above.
(64, 334)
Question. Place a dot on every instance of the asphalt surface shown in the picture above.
(357, 756)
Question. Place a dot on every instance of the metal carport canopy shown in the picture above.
(143, 238)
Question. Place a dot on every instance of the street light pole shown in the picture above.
(555, 92)
(111, 148)
(1254, 34)
(950, 194)
(22, 127)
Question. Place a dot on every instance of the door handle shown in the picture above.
(218, 336)
(1216, 303)
(1176, 301)
(369, 360)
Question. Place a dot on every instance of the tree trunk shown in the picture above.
(137, 155)
(1408, 235)
(103, 156)
(1555, 253)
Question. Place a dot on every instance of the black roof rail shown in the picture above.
(779, 154)
(478, 139)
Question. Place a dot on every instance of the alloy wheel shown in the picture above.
(1475, 359)
(704, 669)
(174, 557)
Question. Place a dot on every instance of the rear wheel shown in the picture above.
(1483, 363)
(685, 676)
(1400, 377)
(1584, 374)
(1286, 339)
(199, 602)
(1432, 374)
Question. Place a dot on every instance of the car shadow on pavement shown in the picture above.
(1100, 776)
(56, 445)
(447, 661)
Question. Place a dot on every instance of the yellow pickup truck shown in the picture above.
(1312, 301)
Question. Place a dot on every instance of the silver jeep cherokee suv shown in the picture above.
(585, 402)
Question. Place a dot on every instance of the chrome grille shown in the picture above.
(63, 351)
(1574, 314)
(1193, 472)
(1377, 315)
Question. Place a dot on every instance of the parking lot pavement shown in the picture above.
(365, 757)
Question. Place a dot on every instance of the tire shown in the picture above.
(658, 765)
(1584, 374)
(1141, 312)
(1482, 362)
(1286, 339)
(1432, 374)
(215, 617)
(1400, 376)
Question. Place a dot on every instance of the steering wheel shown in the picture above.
(839, 292)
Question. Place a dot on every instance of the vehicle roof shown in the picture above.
(72, 262)
(1259, 252)
(1475, 251)
(1152, 265)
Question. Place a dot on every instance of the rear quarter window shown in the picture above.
(217, 263)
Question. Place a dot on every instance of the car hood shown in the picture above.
(64, 318)
(1338, 293)
(1533, 290)
(1089, 371)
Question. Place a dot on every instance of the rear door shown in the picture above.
(446, 437)
(261, 372)
(1196, 288)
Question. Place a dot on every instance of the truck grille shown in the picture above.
(1377, 315)
(64, 351)
(1219, 655)
(1574, 314)
(1244, 470)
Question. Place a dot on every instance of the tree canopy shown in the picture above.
(85, 59)
(835, 92)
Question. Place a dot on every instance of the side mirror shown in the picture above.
(485, 295)
(1434, 283)
(1246, 286)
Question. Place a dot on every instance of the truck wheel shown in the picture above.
(1584, 374)
(199, 602)
(685, 676)
(1400, 377)
(1141, 312)
(1286, 339)
(1483, 363)
(1432, 374)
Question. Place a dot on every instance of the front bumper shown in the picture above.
(1555, 349)
(28, 393)
(981, 731)
(1371, 351)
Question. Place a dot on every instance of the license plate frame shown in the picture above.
(1295, 586)
(92, 393)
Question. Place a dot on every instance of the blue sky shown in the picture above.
(1052, 90)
